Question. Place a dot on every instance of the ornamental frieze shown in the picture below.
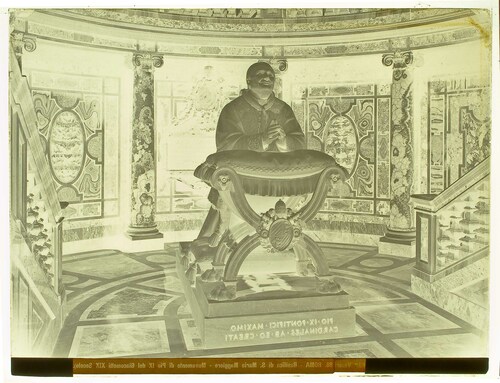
(253, 50)
(307, 20)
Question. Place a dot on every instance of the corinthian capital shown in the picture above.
(399, 62)
(147, 61)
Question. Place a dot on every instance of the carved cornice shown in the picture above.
(399, 62)
(147, 61)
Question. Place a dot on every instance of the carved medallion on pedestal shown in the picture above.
(279, 228)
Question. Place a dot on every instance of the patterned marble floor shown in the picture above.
(132, 305)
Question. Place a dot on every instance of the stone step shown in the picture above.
(481, 214)
(481, 230)
(472, 223)
(474, 239)
(462, 247)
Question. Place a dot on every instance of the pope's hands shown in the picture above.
(274, 133)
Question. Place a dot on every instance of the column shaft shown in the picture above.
(401, 228)
(143, 197)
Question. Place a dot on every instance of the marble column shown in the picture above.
(20, 43)
(399, 239)
(143, 180)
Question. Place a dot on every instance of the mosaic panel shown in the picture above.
(188, 108)
(351, 123)
(72, 117)
(459, 130)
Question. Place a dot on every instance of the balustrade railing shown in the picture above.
(453, 226)
(34, 203)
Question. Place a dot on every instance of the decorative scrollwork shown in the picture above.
(137, 59)
(282, 65)
(29, 43)
(224, 181)
(157, 61)
(399, 62)
(388, 59)
(278, 64)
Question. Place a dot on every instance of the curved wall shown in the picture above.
(83, 53)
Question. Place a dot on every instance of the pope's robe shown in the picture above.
(243, 122)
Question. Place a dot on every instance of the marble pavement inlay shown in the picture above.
(403, 317)
(459, 345)
(100, 267)
(120, 339)
(128, 302)
(136, 303)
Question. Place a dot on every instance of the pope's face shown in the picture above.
(262, 82)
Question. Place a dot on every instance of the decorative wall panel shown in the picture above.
(187, 111)
(351, 123)
(73, 113)
(459, 130)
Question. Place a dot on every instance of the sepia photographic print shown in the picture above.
(250, 182)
